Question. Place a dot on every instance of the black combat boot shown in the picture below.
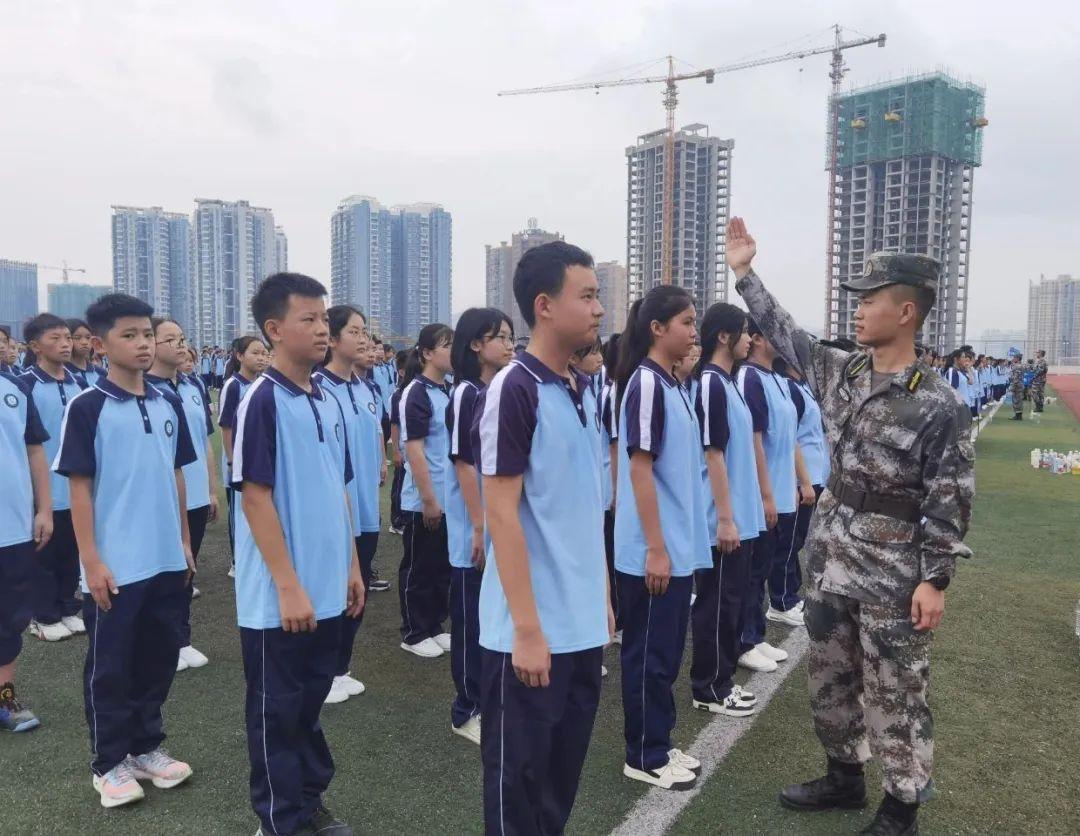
(1017, 416)
(843, 787)
(894, 818)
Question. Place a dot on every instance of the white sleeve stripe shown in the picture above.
(403, 404)
(455, 437)
(238, 432)
(63, 429)
(647, 388)
(489, 425)
(706, 385)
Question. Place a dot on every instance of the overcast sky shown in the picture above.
(294, 106)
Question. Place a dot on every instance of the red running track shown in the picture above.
(1067, 387)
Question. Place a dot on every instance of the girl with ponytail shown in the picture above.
(424, 574)
(734, 511)
(660, 532)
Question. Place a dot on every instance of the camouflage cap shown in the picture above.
(896, 268)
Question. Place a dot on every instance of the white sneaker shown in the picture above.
(743, 696)
(232, 571)
(670, 776)
(193, 657)
(755, 661)
(118, 786)
(731, 706)
(443, 641)
(770, 652)
(159, 767)
(603, 671)
(792, 617)
(684, 760)
(618, 637)
(354, 687)
(181, 664)
(337, 693)
(74, 624)
(470, 729)
(195, 593)
(49, 632)
(693, 597)
(427, 649)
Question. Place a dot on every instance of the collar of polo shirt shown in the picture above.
(715, 368)
(44, 377)
(290, 387)
(665, 376)
(116, 393)
(546, 375)
(333, 378)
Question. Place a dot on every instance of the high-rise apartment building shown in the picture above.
(151, 253)
(281, 243)
(236, 247)
(501, 262)
(71, 299)
(18, 294)
(702, 192)
(906, 155)
(613, 296)
(1054, 320)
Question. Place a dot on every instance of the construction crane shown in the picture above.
(63, 270)
(671, 98)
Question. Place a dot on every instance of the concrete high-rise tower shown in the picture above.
(502, 261)
(906, 156)
(151, 251)
(702, 192)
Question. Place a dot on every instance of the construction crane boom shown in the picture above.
(671, 98)
(63, 270)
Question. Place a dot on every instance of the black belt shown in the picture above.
(874, 503)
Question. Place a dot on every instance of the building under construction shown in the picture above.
(905, 157)
(701, 207)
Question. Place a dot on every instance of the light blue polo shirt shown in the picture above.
(359, 403)
(20, 425)
(811, 436)
(609, 432)
(776, 418)
(88, 376)
(201, 426)
(295, 443)
(423, 416)
(51, 397)
(131, 445)
(232, 392)
(657, 418)
(531, 422)
(726, 425)
(459, 420)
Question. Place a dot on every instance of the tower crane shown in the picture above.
(671, 98)
(63, 270)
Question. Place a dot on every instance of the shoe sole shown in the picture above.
(464, 734)
(646, 778)
(779, 619)
(755, 669)
(727, 712)
(25, 726)
(329, 701)
(408, 648)
(198, 664)
(160, 783)
(814, 808)
(109, 803)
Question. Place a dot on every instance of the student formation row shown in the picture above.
(691, 460)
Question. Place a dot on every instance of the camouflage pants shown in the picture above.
(1017, 395)
(1037, 390)
(869, 674)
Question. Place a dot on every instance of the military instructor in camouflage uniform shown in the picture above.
(1038, 383)
(1016, 387)
(886, 533)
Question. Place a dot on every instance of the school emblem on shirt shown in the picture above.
(169, 428)
(371, 407)
(11, 400)
(195, 399)
(596, 417)
(337, 431)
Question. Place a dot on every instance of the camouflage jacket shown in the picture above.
(1016, 377)
(1040, 370)
(907, 439)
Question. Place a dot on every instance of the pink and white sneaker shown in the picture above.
(118, 786)
(159, 767)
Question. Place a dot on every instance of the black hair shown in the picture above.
(474, 324)
(720, 318)
(74, 324)
(338, 317)
(6, 331)
(386, 346)
(157, 321)
(611, 355)
(660, 304)
(102, 315)
(271, 300)
(401, 358)
(431, 336)
(585, 351)
(542, 270)
(236, 351)
(41, 323)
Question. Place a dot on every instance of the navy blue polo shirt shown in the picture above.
(201, 427)
(294, 442)
(131, 445)
(51, 398)
(20, 425)
(534, 423)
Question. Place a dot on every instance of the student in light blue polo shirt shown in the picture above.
(297, 573)
(609, 460)
(483, 344)
(660, 531)
(544, 612)
(82, 363)
(424, 573)
(25, 528)
(363, 431)
(362, 368)
(123, 445)
(56, 612)
(734, 512)
(200, 476)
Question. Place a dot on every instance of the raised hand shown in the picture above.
(740, 247)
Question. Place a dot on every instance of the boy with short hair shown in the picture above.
(56, 612)
(297, 572)
(122, 446)
(22, 531)
(544, 610)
